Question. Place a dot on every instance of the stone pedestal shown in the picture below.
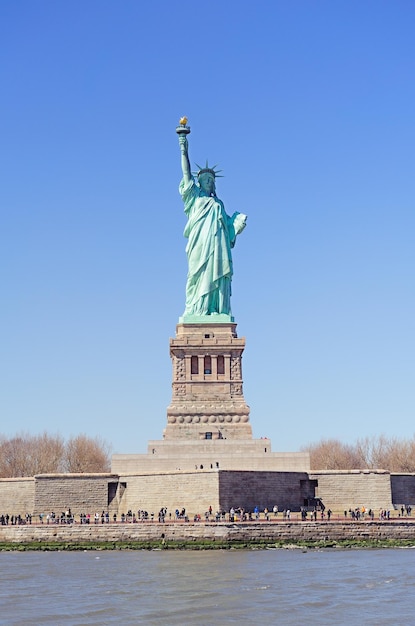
(208, 428)
(207, 399)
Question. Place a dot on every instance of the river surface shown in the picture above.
(208, 587)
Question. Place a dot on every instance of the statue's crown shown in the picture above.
(208, 170)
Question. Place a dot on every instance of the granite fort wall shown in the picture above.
(221, 490)
(194, 491)
(403, 489)
(342, 490)
(263, 489)
(173, 532)
(17, 495)
(82, 493)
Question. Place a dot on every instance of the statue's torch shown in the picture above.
(183, 129)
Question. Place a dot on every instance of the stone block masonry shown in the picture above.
(248, 455)
(171, 533)
(403, 489)
(194, 491)
(82, 493)
(287, 490)
(199, 489)
(342, 490)
(17, 495)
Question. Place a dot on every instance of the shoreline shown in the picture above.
(209, 535)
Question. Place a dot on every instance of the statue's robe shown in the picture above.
(211, 235)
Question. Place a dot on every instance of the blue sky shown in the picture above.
(308, 107)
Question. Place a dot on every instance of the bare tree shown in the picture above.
(48, 454)
(378, 452)
(84, 454)
(29, 455)
(14, 457)
(409, 464)
(375, 451)
(401, 456)
(332, 454)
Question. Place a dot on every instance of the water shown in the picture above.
(372, 587)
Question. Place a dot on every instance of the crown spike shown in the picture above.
(207, 169)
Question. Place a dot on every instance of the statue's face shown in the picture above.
(207, 183)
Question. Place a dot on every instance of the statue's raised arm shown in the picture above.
(183, 130)
(211, 234)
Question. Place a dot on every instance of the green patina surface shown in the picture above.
(211, 235)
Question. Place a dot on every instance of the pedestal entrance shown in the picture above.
(207, 399)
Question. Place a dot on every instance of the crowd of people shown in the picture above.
(361, 513)
(13, 520)
(237, 514)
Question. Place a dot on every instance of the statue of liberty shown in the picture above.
(211, 234)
